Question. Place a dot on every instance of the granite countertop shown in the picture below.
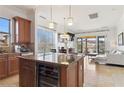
(8, 53)
(58, 58)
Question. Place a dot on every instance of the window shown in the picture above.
(4, 25)
(101, 44)
(79, 45)
(90, 45)
(45, 40)
(4, 33)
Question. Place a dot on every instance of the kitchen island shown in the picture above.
(51, 70)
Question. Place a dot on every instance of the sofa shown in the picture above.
(115, 57)
(101, 59)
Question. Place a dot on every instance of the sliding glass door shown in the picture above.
(91, 45)
(84, 45)
(79, 45)
(101, 44)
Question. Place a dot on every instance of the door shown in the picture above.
(72, 75)
(13, 65)
(27, 73)
(3, 66)
(87, 45)
(27, 31)
(21, 30)
(101, 44)
(80, 72)
(84, 45)
(79, 45)
(91, 45)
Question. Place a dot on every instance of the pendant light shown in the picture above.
(64, 35)
(70, 18)
(51, 23)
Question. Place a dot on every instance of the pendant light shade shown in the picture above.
(51, 23)
(70, 21)
(70, 18)
(64, 35)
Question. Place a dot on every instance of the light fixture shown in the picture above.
(51, 23)
(64, 35)
(70, 18)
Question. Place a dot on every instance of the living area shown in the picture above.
(102, 47)
(104, 62)
(38, 33)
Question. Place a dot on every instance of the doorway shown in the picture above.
(91, 44)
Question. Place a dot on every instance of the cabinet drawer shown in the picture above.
(3, 58)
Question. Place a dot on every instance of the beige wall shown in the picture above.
(110, 37)
(120, 28)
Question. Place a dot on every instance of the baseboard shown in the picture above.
(115, 65)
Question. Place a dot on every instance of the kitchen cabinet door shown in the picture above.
(27, 73)
(80, 72)
(3, 66)
(72, 75)
(21, 30)
(27, 31)
(13, 64)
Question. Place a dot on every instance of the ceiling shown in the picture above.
(108, 15)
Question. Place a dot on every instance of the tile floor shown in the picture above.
(12, 81)
(96, 75)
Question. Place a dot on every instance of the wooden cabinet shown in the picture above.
(22, 30)
(63, 76)
(8, 65)
(13, 64)
(69, 75)
(27, 77)
(72, 75)
(80, 73)
(27, 31)
(20, 25)
(41, 73)
(3, 66)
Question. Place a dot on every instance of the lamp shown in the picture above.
(70, 18)
(64, 35)
(51, 23)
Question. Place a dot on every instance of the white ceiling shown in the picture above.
(107, 15)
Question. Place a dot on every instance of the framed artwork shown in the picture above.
(120, 39)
